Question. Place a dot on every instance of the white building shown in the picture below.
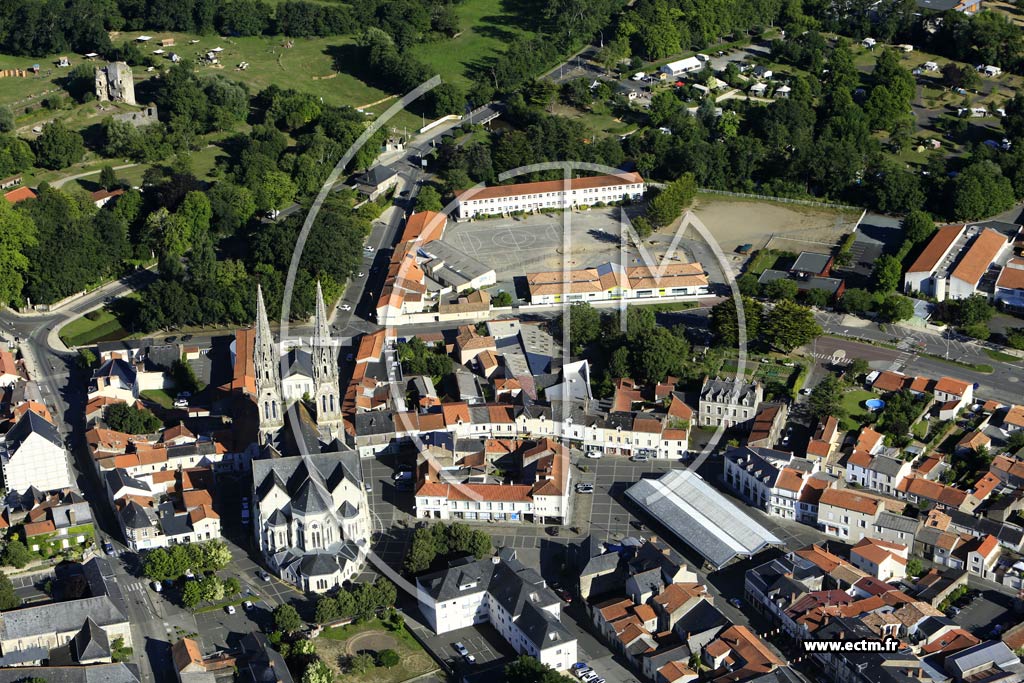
(1009, 289)
(956, 258)
(767, 479)
(728, 402)
(612, 282)
(311, 518)
(549, 194)
(8, 369)
(503, 592)
(683, 66)
(32, 455)
(881, 559)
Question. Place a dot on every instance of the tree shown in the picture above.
(584, 326)
(232, 206)
(887, 273)
(361, 663)
(286, 618)
(914, 566)
(118, 651)
(388, 658)
(501, 300)
(817, 298)
(15, 554)
(657, 354)
(6, 119)
(980, 190)
(858, 367)
(917, 226)
(668, 204)
(326, 609)
(724, 324)
(857, 301)
(788, 325)
(58, 147)
(17, 236)
(318, 672)
(665, 107)
(428, 199)
(124, 418)
(8, 598)
(1016, 441)
(781, 289)
(191, 594)
(211, 588)
(972, 310)
(895, 307)
(273, 190)
(526, 669)
(232, 586)
(108, 178)
(826, 398)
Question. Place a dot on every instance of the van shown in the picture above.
(639, 76)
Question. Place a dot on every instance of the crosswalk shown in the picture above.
(830, 358)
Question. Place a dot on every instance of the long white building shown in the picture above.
(32, 454)
(503, 592)
(549, 194)
(612, 281)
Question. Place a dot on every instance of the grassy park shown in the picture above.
(335, 645)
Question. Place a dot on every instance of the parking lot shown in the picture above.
(219, 629)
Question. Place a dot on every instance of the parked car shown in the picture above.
(552, 530)
(171, 339)
(345, 307)
(579, 665)
(736, 602)
(565, 595)
(263, 575)
(470, 659)
(639, 457)
(361, 274)
(582, 671)
(187, 338)
(230, 609)
(461, 649)
(584, 488)
(594, 454)
(156, 586)
(108, 548)
(248, 605)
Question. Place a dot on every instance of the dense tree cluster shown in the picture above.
(124, 418)
(444, 540)
(783, 326)
(171, 563)
(361, 603)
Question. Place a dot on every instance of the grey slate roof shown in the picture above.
(728, 391)
(134, 516)
(886, 465)
(32, 423)
(890, 520)
(376, 175)
(700, 516)
(97, 673)
(261, 663)
(91, 642)
(119, 478)
(115, 367)
(318, 564)
(649, 581)
(808, 262)
(62, 617)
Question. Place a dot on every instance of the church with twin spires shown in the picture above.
(284, 377)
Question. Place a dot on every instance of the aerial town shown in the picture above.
(589, 340)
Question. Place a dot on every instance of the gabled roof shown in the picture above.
(91, 642)
(29, 424)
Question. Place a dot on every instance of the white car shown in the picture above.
(156, 586)
(230, 609)
(367, 248)
(345, 307)
(589, 676)
(594, 454)
(180, 403)
(461, 649)
(248, 604)
(361, 274)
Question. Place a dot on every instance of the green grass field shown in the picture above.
(82, 331)
(160, 397)
(415, 662)
(853, 406)
(486, 29)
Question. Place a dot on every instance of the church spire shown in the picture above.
(325, 361)
(267, 367)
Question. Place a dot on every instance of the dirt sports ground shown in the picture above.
(791, 227)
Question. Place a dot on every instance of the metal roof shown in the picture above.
(701, 517)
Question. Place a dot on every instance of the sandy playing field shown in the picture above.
(787, 226)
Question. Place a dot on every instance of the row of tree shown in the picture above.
(45, 27)
(160, 564)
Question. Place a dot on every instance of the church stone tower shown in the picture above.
(325, 366)
(267, 366)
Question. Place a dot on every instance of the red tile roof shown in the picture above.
(940, 242)
(19, 195)
(979, 256)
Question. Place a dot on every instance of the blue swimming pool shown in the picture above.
(874, 404)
